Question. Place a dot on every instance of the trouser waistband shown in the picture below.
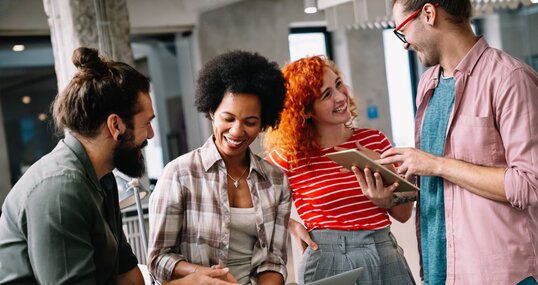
(350, 238)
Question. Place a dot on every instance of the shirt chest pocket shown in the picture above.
(476, 140)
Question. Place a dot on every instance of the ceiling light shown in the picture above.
(310, 6)
(26, 99)
(18, 47)
(42, 117)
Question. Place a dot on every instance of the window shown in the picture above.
(401, 81)
(308, 42)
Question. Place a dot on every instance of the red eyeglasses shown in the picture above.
(411, 17)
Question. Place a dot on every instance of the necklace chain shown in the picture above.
(236, 181)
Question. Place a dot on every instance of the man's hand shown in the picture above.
(366, 151)
(217, 276)
(486, 181)
(412, 162)
(301, 236)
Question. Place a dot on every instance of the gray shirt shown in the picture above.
(60, 225)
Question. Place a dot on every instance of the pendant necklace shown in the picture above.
(236, 181)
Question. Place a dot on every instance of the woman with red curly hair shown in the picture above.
(345, 214)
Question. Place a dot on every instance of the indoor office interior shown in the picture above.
(172, 39)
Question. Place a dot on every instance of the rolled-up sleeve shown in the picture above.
(518, 123)
(165, 221)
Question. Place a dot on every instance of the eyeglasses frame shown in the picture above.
(410, 18)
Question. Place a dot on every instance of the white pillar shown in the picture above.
(99, 24)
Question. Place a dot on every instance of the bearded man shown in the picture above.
(61, 222)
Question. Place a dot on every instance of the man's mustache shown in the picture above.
(144, 144)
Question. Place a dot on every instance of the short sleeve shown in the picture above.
(57, 219)
(127, 258)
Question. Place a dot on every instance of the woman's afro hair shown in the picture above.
(242, 72)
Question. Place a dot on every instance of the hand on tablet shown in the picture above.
(411, 162)
(374, 188)
(371, 183)
(368, 152)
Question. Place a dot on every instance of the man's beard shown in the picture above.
(128, 158)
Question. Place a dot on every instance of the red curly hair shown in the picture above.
(295, 134)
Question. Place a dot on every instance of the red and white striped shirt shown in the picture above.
(326, 198)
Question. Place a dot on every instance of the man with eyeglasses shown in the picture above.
(477, 156)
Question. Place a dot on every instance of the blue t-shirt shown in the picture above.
(432, 206)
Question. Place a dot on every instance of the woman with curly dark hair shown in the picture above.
(345, 214)
(222, 206)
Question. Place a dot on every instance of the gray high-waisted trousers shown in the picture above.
(339, 251)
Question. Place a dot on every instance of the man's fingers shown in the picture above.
(388, 153)
(389, 160)
(402, 169)
(392, 152)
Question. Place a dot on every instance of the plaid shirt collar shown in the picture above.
(212, 158)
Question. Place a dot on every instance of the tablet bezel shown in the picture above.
(348, 277)
(349, 157)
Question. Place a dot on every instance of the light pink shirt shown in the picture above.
(494, 123)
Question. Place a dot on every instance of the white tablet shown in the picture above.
(349, 157)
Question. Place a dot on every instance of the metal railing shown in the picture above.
(131, 228)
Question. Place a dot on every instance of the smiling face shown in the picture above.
(332, 107)
(236, 124)
(416, 33)
(128, 156)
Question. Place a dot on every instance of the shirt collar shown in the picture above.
(468, 63)
(212, 158)
(76, 147)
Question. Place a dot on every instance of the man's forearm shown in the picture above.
(481, 180)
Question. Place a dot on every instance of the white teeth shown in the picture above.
(338, 110)
(234, 141)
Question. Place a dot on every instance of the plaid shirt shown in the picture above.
(189, 214)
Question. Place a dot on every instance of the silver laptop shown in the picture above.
(345, 278)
